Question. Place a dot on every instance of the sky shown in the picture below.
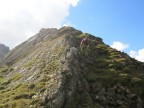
(120, 23)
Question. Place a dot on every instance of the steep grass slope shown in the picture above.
(51, 71)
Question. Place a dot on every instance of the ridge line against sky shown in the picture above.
(119, 23)
(115, 21)
(21, 19)
(139, 55)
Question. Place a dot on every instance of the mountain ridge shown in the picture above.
(50, 70)
(3, 50)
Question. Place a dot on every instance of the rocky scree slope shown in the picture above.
(3, 50)
(50, 71)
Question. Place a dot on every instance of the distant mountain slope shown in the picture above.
(3, 50)
(52, 70)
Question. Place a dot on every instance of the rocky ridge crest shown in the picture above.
(3, 50)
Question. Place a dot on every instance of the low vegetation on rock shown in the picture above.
(50, 70)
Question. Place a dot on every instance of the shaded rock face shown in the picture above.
(3, 50)
(50, 70)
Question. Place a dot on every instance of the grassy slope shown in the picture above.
(15, 90)
(103, 64)
(108, 67)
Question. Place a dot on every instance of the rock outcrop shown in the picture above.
(3, 50)
(50, 70)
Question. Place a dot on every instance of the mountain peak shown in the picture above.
(66, 68)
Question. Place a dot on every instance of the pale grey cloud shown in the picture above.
(20, 19)
(139, 55)
(119, 45)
